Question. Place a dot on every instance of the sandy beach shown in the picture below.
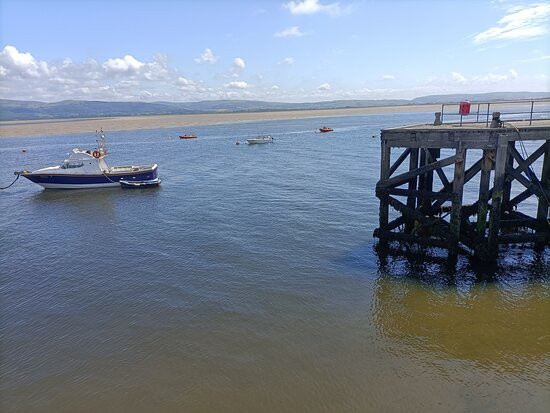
(83, 125)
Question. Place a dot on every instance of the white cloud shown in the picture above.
(481, 80)
(293, 31)
(238, 64)
(275, 87)
(128, 64)
(521, 23)
(324, 86)
(313, 6)
(206, 57)
(183, 81)
(239, 84)
(457, 77)
(535, 59)
(20, 64)
(388, 77)
(287, 61)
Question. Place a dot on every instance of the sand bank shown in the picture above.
(68, 126)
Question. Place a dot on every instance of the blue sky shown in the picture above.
(270, 50)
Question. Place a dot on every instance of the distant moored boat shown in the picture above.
(189, 136)
(260, 139)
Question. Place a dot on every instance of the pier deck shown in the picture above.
(436, 217)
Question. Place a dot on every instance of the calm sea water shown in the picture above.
(250, 281)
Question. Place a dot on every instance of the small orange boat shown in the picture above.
(325, 129)
(188, 136)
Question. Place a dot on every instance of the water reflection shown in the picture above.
(99, 205)
(494, 317)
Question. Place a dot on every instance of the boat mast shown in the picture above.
(101, 142)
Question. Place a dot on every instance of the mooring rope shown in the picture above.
(14, 181)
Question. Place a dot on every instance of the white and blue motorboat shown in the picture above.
(88, 169)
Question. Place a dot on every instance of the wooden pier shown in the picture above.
(425, 189)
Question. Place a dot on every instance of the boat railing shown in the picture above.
(510, 110)
(133, 168)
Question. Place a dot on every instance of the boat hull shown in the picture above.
(73, 181)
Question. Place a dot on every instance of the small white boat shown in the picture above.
(140, 184)
(260, 139)
(88, 169)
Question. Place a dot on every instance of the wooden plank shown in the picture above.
(542, 210)
(523, 238)
(520, 197)
(392, 225)
(432, 155)
(402, 178)
(421, 177)
(486, 166)
(496, 203)
(523, 220)
(470, 173)
(470, 210)
(426, 205)
(507, 188)
(383, 213)
(458, 185)
(440, 227)
(416, 193)
(534, 185)
(399, 161)
(411, 200)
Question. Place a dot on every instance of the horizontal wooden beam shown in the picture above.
(413, 192)
(523, 238)
(414, 239)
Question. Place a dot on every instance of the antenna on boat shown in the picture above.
(101, 142)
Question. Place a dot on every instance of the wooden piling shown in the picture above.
(384, 174)
(456, 208)
(543, 225)
(411, 199)
(424, 214)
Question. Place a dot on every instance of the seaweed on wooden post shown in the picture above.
(498, 187)
(411, 199)
(384, 174)
(426, 205)
(507, 189)
(458, 186)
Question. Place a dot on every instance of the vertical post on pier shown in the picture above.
(542, 212)
(498, 186)
(456, 207)
(384, 174)
(421, 177)
(411, 199)
(507, 188)
(426, 205)
(486, 165)
(484, 180)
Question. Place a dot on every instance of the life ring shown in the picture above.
(96, 154)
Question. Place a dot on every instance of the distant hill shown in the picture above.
(32, 110)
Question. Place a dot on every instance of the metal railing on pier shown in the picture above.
(510, 110)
